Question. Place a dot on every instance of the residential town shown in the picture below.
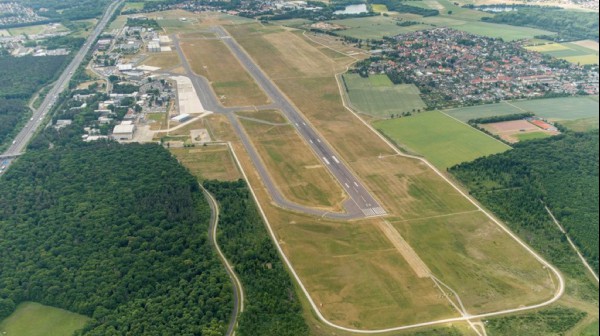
(454, 68)
(13, 13)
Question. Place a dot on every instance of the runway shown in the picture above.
(360, 203)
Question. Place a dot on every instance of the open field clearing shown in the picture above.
(457, 11)
(163, 60)
(463, 19)
(38, 29)
(327, 43)
(580, 52)
(532, 136)
(408, 189)
(297, 172)
(360, 279)
(4, 33)
(582, 111)
(34, 319)
(379, 8)
(378, 96)
(353, 273)
(180, 21)
(374, 27)
(118, 23)
(506, 32)
(133, 6)
(478, 260)
(581, 125)
(213, 162)
(517, 130)
(441, 139)
(233, 85)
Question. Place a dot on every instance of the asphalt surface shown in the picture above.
(22, 139)
(360, 203)
(238, 290)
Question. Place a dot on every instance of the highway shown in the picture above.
(360, 203)
(22, 139)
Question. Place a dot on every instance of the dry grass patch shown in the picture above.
(324, 109)
(163, 60)
(355, 275)
(474, 256)
(269, 116)
(408, 188)
(295, 169)
(208, 162)
(231, 82)
(300, 55)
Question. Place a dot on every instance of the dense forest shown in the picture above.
(560, 172)
(21, 78)
(556, 320)
(272, 306)
(569, 25)
(118, 233)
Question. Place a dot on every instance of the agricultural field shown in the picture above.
(579, 112)
(409, 190)
(232, 84)
(378, 96)
(34, 319)
(301, 177)
(442, 140)
(214, 162)
(580, 52)
(374, 27)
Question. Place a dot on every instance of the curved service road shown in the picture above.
(238, 290)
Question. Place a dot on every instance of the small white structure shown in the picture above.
(181, 117)
(125, 66)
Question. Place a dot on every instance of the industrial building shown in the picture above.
(123, 131)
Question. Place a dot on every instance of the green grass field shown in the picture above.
(374, 27)
(463, 19)
(506, 32)
(532, 136)
(133, 6)
(441, 139)
(378, 96)
(591, 330)
(581, 125)
(577, 113)
(34, 319)
(568, 51)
